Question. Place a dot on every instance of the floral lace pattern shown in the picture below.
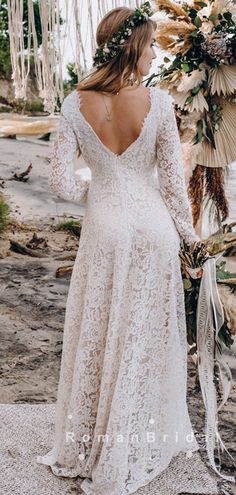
(121, 414)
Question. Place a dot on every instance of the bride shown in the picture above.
(122, 423)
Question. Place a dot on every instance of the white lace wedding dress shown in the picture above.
(122, 421)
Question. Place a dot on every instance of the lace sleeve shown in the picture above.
(171, 174)
(62, 177)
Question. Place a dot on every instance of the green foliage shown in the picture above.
(73, 80)
(72, 74)
(4, 213)
(197, 22)
(225, 337)
(73, 226)
(201, 4)
(5, 61)
(226, 277)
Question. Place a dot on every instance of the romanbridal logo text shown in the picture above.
(149, 437)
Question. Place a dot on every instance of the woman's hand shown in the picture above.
(193, 272)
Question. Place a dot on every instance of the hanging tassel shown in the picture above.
(16, 37)
(210, 318)
(195, 192)
(215, 192)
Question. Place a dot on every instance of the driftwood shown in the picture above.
(35, 241)
(19, 248)
(11, 128)
(23, 175)
(45, 137)
(63, 271)
(74, 229)
(66, 257)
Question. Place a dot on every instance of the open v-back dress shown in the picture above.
(122, 421)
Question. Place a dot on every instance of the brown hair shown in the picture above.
(114, 74)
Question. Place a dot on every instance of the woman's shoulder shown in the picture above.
(164, 97)
(70, 104)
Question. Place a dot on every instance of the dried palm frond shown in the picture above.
(224, 152)
(180, 98)
(171, 8)
(198, 103)
(223, 80)
(189, 82)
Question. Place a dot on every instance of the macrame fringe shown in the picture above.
(49, 59)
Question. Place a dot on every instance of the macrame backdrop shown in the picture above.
(82, 16)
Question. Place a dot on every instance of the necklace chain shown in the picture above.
(109, 113)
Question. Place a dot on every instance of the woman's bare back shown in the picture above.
(128, 110)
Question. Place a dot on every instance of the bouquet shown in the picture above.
(192, 261)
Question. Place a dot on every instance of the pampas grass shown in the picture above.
(189, 152)
(220, 6)
(172, 8)
(175, 28)
(165, 42)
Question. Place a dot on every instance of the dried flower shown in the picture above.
(190, 81)
(207, 27)
(215, 45)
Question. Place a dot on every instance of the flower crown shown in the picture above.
(115, 43)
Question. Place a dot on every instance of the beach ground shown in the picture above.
(33, 299)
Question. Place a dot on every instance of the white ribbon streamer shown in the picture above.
(210, 318)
